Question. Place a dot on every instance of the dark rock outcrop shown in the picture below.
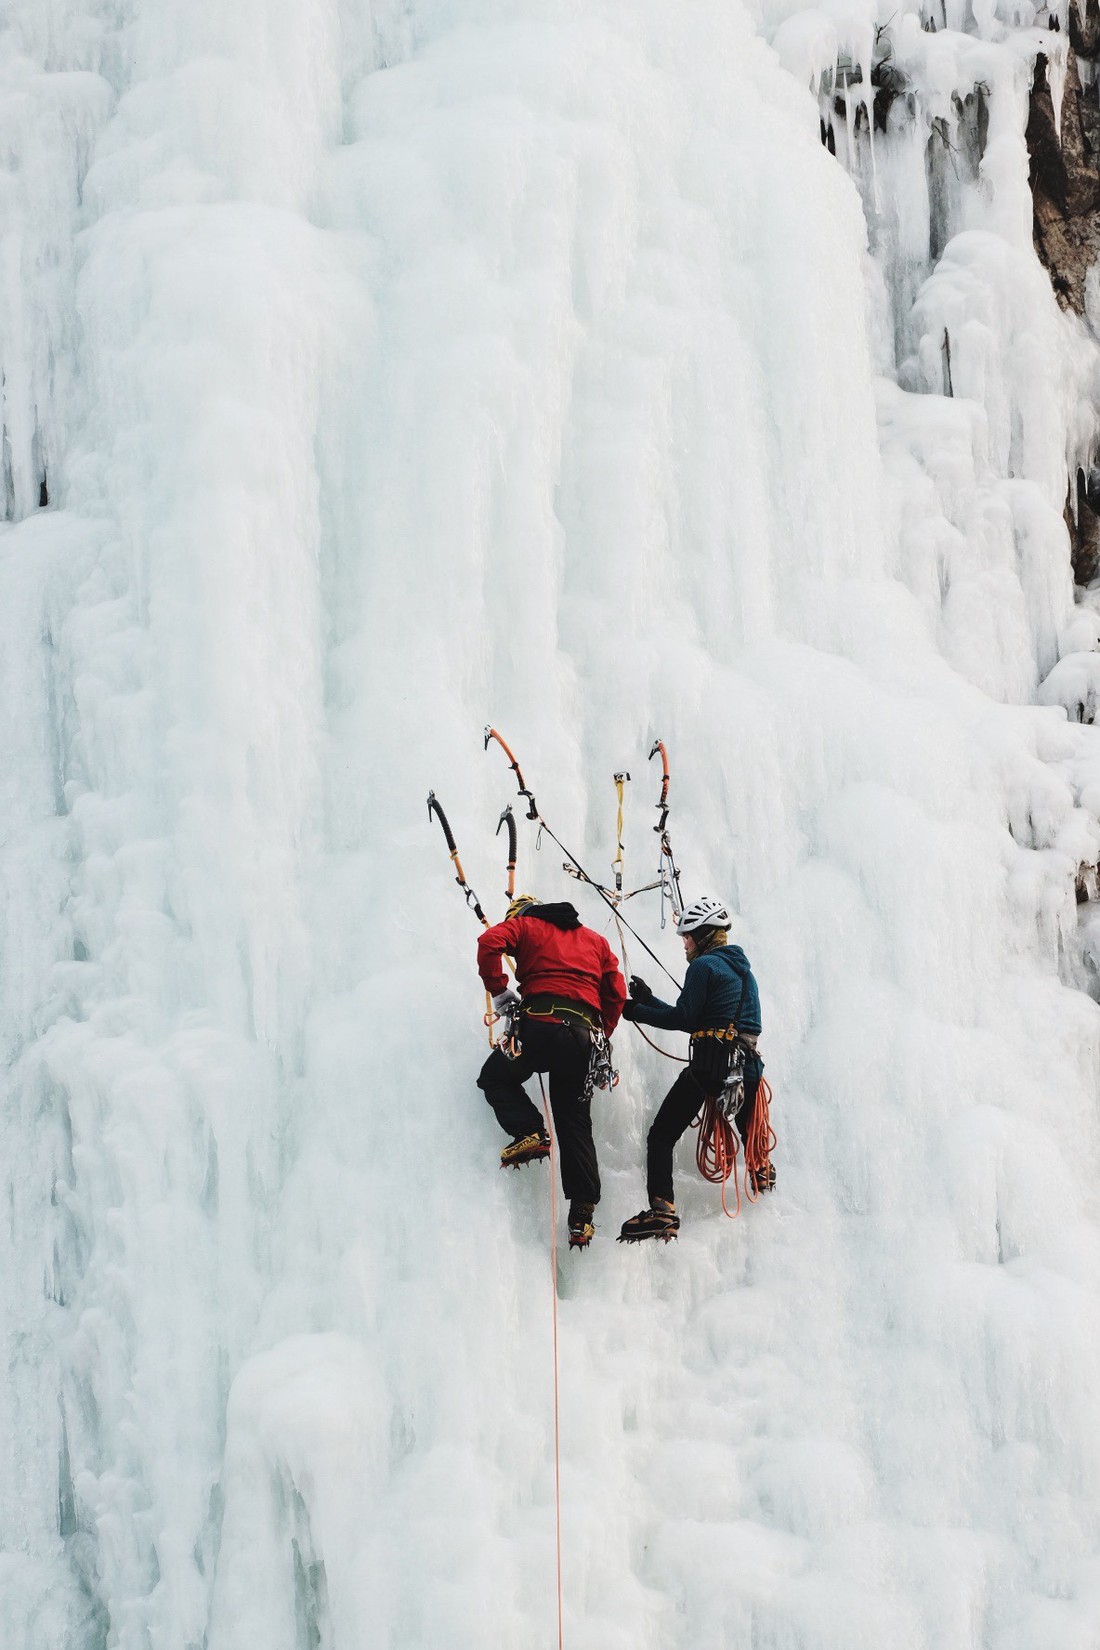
(1084, 532)
(1065, 172)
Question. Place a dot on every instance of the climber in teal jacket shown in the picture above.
(719, 1006)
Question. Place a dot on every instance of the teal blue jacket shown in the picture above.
(718, 990)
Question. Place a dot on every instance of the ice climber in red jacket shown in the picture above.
(569, 989)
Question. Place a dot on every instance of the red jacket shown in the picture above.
(554, 954)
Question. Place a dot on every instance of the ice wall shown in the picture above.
(394, 367)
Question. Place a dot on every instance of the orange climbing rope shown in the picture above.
(626, 970)
(716, 1150)
(554, 1298)
(761, 1142)
(717, 1147)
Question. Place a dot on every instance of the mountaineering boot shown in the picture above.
(581, 1229)
(527, 1149)
(763, 1178)
(661, 1221)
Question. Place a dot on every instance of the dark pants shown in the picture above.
(684, 1101)
(562, 1051)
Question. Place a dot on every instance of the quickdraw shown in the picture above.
(667, 873)
(509, 1040)
(573, 864)
(620, 780)
(731, 1096)
(601, 1073)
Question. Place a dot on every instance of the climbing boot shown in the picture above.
(581, 1229)
(527, 1149)
(661, 1221)
(763, 1178)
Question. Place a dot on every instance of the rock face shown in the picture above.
(1084, 532)
(1065, 188)
(1065, 166)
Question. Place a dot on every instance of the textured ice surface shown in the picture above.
(396, 367)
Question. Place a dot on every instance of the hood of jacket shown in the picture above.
(733, 957)
(560, 916)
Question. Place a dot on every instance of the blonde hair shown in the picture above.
(715, 939)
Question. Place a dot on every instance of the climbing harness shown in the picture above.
(601, 1073)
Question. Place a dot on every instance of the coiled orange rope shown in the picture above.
(717, 1147)
(716, 1150)
(761, 1142)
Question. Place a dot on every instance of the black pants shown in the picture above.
(684, 1101)
(562, 1051)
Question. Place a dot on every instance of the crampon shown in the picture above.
(581, 1229)
(526, 1150)
(762, 1178)
(659, 1222)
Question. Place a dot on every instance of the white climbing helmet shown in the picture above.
(706, 912)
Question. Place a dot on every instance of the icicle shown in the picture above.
(1055, 48)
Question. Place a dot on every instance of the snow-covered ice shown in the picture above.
(393, 366)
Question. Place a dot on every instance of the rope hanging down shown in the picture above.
(554, 1298)
(644, 1035)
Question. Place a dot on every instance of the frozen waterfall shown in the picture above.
(373, 369)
